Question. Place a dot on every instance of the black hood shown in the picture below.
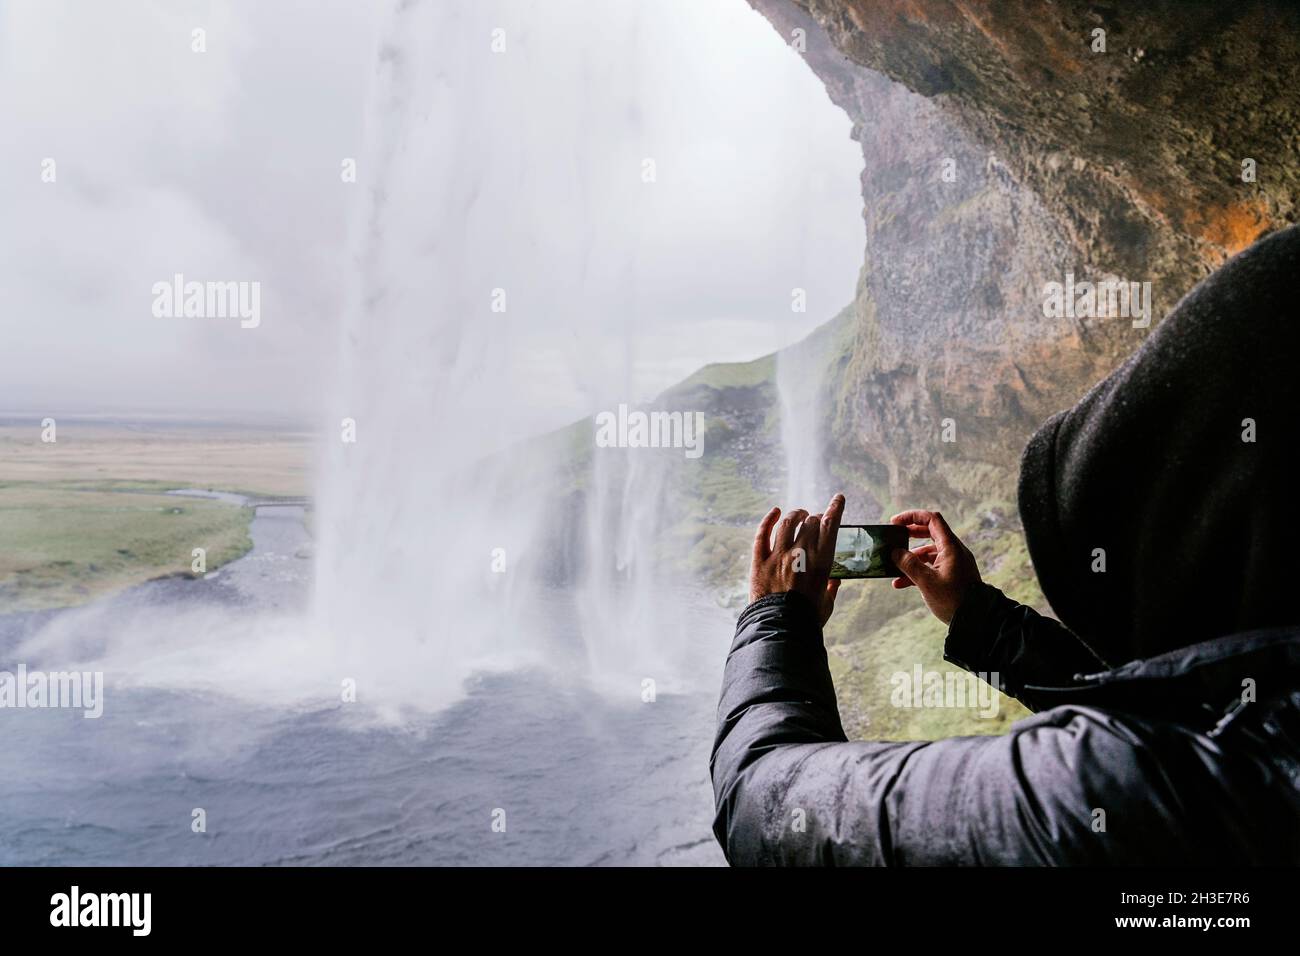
(1198, 527)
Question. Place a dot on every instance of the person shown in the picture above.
(1160, 514)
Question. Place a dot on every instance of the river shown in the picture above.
(534, 765)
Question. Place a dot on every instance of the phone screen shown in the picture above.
(862, 550)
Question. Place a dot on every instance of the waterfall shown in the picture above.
(416, 539)
(439, 530)
(801, 385)
(799, 396)
(503, 227)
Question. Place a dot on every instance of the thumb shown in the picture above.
(828, 599)
(916, 570)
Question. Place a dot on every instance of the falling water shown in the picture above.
(799, 392)
(411, 521)
(438, 536)
(441, 531)
(803, 380)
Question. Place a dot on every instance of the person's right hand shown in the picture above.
(942, 571)
(796, 555)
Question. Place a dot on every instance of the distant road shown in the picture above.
(284, 501)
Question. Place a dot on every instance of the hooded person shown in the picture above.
(1166, 728)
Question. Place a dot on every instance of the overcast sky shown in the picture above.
(225, 165)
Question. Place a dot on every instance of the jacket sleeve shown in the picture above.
(993, 635)
(790, 790)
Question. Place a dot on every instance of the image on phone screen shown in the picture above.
(862, 550)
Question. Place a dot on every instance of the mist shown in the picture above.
(229, 164)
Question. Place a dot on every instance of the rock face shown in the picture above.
(1132, 120)
(1005, 148)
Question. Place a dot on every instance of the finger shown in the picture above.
(809, 536)
(831, 519)
(940, 531)
(926, 549)
(831, 528)
(763, 537)
(928, 558)
(828, 605)
(788, 528)
(926, 524)
(917, 522)
(917, 516)
(900, 583)
(916, 570)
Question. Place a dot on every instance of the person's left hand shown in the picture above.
(798, 556)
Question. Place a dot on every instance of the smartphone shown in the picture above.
(863, 550)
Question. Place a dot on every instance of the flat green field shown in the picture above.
(87, 515)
